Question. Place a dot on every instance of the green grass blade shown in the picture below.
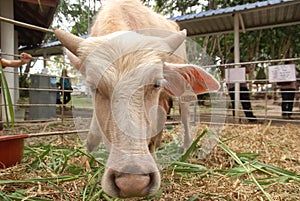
(237, 171)
(188, 167)
(4, 98)
(250, 156)
(96, 196)
(41, 156)
(272, 169)
(59, 189)
(90, 181)
(193, 147)
(211, 196)
(249, 171)
(57, 179)
(7, 97)
(19, 195)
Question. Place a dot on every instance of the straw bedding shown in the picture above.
(41, 176)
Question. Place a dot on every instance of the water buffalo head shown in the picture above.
(127, 73)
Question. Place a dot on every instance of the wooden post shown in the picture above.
(236, 60)
(7, 42)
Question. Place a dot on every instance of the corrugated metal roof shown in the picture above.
(52, 48)
(39, 13)
(259, 15)
(55, 43)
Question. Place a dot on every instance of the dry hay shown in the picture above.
(276, 145)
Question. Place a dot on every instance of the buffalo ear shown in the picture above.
(76, 62)
(179, 76)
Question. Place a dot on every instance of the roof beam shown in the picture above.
(36, 19)
(246, 29)
(242, 22)
(49, 3)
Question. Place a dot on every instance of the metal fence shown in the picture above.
(265, 94)
(265, 98)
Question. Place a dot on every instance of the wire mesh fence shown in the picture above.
(40, 102)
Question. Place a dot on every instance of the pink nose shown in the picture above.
(133, 185)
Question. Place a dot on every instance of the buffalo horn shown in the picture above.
(68, 40)
(175, 40)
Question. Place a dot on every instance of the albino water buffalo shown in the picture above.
(134, 61)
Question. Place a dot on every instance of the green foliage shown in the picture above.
(178, 7)
(8, 104)
(78, 15)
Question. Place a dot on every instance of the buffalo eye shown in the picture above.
(157, 84)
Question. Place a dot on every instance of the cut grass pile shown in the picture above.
(250, 162)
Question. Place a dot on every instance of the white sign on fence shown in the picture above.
(282, 73)
(233, 75)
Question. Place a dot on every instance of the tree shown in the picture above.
(76, 17)
(171, 7)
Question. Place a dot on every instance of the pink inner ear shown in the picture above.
(201, 81)
(195, 76)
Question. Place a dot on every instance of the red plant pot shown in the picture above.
(11, 150)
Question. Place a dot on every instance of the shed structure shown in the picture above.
(241, 18)
(36, 12)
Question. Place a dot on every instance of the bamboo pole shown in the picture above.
(57, 133)
(29, 26)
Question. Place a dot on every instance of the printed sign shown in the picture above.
(233, 75)
(282, 73)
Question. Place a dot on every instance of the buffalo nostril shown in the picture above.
(132, 185)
